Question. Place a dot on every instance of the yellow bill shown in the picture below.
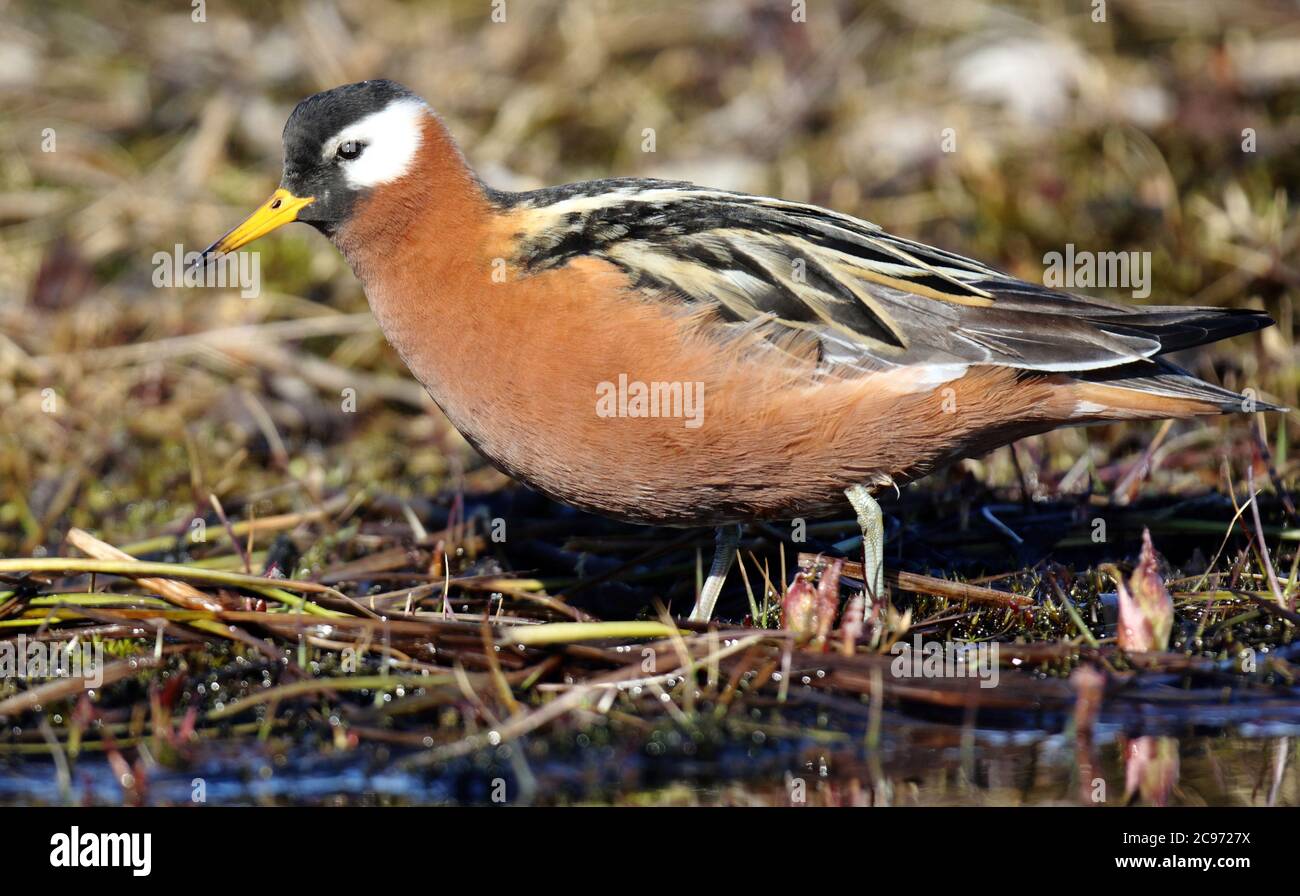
(282, 208)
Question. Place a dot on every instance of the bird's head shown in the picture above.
(338, 146)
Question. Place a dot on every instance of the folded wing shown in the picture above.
(872, 300)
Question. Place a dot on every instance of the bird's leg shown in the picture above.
(728, 539)
(873, 542)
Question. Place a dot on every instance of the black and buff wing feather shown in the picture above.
(873, 300)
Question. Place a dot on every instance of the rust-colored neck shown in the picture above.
(432, 214)
(423, 248)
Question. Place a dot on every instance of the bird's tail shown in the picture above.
(1156, 389)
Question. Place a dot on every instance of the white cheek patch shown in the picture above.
(391, 138)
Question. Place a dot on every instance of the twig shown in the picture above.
(921, 584)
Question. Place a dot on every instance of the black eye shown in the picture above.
(350, 149)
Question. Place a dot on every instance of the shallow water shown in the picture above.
(911, 765)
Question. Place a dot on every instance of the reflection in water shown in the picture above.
(923, 765)
(1150, 768)
(1157, 771)
(1090, 686)
(1279, 768)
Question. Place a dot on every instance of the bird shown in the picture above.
(668, 354)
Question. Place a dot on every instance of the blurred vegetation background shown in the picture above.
(1171, 127)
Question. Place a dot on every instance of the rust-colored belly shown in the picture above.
(626, 407)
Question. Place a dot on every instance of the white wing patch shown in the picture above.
(390, 138)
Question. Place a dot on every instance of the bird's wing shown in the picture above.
(873, 300)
